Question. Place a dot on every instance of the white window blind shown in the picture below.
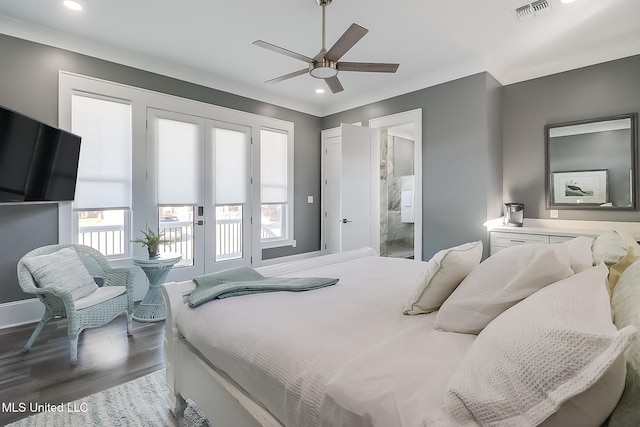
(178, 174)
(104, 170)
(273, 167)
(231, 166)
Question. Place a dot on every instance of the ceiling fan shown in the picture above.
(325, 65)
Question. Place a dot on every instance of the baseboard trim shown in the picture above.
(20, 312)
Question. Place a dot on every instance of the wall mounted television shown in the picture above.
(38, 162)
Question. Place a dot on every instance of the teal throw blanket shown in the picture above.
(245, 280)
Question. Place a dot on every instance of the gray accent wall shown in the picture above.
(29, 84)
(597, 91)
(23, 227)
(462, 155)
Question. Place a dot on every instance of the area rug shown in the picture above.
(141, 402)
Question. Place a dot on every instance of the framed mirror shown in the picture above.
(591, 164)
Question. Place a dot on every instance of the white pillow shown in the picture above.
(551, 347)
(626, 308)
(443, 273)
(501, 281)
(580, 253)
(64, 269)
(609, 247)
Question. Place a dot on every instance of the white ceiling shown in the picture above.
(209, 42)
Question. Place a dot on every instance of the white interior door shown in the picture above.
(351, 194)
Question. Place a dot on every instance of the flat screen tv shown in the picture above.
(38, 162)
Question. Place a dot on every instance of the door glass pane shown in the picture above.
(273, 222)
(103, 230)
(176, 225)
(228, 232)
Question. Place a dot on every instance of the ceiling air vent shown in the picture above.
(540, 6)
(532, 9)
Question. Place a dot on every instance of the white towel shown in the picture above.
(407, 198)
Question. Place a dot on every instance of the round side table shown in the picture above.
(152, 308)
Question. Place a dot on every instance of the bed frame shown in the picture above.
(191, 376)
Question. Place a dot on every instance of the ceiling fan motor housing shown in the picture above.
(323, 69)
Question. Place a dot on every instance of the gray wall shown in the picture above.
(462, 146)
(29, 84)
(597, 91)
(22, 228)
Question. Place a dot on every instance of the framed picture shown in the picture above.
(580, 187)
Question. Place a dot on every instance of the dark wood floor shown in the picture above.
(106, 358)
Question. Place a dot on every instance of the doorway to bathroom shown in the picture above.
(400, 184)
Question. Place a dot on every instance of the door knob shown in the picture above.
(345, 220)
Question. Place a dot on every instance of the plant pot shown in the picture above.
(153, 253)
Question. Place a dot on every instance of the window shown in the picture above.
(136, 173)
(276, 190)
(103, 190)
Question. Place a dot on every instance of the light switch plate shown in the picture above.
(553, 213)
(309, 199)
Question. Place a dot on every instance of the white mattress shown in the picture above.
(344, 355)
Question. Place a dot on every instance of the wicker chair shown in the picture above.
(58, 302)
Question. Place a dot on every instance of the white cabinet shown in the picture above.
(537, 230)
(504, 239)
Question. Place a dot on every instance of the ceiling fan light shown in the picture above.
(323, 70)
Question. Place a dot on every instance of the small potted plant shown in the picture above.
(152, 241)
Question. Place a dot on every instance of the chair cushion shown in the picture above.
(443, 273)
(63, 269)
(101, 294)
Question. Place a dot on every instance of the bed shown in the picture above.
(399, 342)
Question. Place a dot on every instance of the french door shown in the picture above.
(200, 173)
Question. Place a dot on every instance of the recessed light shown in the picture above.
(319, 90)
(73, 5)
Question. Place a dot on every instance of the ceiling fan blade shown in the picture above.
(370, 67)
(334, 84)
(350, 37)
(283, 51)
(288, 76)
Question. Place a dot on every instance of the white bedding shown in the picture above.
(344, 355)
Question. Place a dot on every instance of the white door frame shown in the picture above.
(415, 117)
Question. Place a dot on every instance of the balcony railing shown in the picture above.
(110, 239)
(180, 236)
(228, 239)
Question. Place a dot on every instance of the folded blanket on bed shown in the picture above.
(244, 280)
